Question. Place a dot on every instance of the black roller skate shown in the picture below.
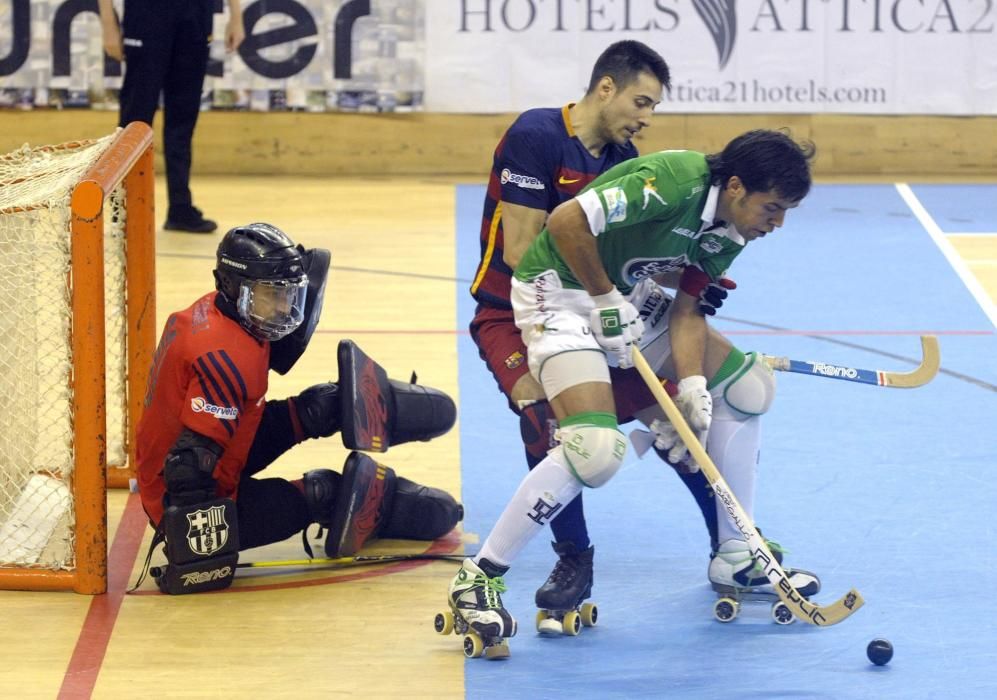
(560, 598)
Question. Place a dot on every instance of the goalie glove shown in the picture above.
(616, 326)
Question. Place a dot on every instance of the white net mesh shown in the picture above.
(36, 422)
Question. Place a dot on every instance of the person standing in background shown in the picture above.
(165, 48)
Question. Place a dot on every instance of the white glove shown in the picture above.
(665, 439)
(696, 404)
(616, 326)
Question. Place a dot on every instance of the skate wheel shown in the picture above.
(473, 645)
(500, 650)
(443, 622)
(571, 625)
(725, 609)
(590, 614)
(782, 614)
(541, 617)
(547, 624)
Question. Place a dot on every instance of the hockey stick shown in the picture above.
(919, 376)
(361, 560)
(820, 615)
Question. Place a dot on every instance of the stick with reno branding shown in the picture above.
(919, 376)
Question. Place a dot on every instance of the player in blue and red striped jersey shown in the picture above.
(545, 158)
(207, 429)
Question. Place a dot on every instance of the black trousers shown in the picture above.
(166, 51)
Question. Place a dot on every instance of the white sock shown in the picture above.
(733, 443)
(541, 496)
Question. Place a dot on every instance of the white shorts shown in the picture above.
(554, 320)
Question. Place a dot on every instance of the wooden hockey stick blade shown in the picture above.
(820, 615)
(351, 561)
(919, 376)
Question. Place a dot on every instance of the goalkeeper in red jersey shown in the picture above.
(208, 429)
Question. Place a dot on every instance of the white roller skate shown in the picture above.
(560, 598)
(476, 612)
(737, 577)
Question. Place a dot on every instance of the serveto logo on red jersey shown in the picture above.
(199, 405)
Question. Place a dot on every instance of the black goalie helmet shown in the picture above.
(261, 274)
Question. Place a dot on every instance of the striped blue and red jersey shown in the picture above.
(209, 375)
(539, 163)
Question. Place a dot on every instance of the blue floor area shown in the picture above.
(960, 208)
(890, 491)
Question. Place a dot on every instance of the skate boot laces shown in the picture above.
(491, 588)
(487, 591)
(564, 573)
(757, 571)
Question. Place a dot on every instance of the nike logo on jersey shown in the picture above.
(565, 181)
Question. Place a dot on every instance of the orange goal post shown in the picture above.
(77, 335)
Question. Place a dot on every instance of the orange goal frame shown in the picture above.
(129, 159)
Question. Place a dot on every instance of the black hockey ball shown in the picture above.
(879, 651)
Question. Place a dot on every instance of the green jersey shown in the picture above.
(650, 215)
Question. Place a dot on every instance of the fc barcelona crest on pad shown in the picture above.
(514, 360)
(208, 530)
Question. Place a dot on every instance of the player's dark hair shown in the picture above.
(625, 60)
(765, 160)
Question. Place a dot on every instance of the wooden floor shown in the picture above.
(313, 633)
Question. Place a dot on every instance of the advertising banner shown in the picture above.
(844, 56)
(486, 56)
(309, 55)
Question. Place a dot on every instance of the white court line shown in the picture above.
(948, 250)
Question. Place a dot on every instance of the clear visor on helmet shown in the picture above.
(273, 308)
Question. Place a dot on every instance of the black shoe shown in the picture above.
(191, 222)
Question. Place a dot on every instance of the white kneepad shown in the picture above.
(593, 453)
(752, 389)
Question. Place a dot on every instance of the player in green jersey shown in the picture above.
(579, 295)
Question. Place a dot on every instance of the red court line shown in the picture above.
(88, 656)
(725, 331)
(728, 331)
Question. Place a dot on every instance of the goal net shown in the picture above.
(77, 317)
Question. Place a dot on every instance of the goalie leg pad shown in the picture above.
(361, 505)
(751, 390)
(378, 412)
(202, 547)
(418, 512)
(592, 446)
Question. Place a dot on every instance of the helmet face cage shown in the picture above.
(272, 308)
(261, 273)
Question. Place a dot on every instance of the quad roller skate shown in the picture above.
(476, 612)
(736, 578)
(560, 598)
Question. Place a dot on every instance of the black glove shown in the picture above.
(188, 470)
(712, 297)
(318, 410)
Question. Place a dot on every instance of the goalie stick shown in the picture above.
(333, 563)
(359, 560)
(819, 615)
(919, 376)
